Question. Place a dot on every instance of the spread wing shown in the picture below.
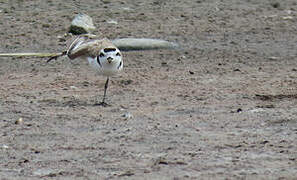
(86, 45)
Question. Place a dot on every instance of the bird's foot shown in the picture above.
(104, 104)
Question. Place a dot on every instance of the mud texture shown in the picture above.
(223, 106)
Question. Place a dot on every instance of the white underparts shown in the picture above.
(105, 69)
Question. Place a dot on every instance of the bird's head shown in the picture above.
(110, 56)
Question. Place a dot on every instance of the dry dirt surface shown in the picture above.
(223, 106)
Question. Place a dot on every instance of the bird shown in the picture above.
(103, 56)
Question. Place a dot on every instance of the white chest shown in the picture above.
(105, 68)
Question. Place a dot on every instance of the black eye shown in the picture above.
(118, 54)
(101, 55)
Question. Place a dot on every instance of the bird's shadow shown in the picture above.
(73, 103)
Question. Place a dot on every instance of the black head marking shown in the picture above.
(106, 50)
(98, 60)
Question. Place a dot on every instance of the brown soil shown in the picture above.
(223, 106)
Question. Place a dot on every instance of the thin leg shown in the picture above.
(103, 103)
(105, 89)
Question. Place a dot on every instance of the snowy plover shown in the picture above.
(101, 54)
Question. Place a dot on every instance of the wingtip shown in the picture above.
(134, 44)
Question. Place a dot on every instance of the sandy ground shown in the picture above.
(223, 106)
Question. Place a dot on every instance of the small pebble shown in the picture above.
(127, 115)
(5, 146)
(19, 121)
(126, 8)
(73, 87)
(43, 172)
(181, 58)
(287, 17)
(112, 21)
(273, 58)
(289, 11)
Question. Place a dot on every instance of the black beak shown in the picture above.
(109, 59)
